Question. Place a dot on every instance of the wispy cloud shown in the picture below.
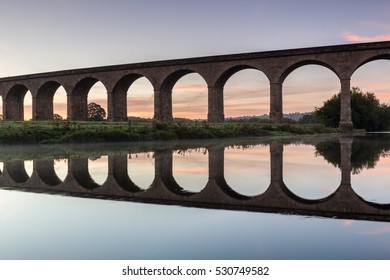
(350, 37)
(192, 88)
(191, 170)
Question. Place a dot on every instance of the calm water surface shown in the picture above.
(306, 198)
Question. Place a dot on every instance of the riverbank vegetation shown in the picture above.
(64, 131)
(366, 110)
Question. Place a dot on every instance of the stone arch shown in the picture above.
(163, 175)
(276, 114)
(78, 100)
(16, 171)
(117, 165)
(307, 88)
(246, 92)
(173, 78)
(367, 59)
(251, 165)
(163, 96)
(189, 99)
(216, 91)
(302, 63)
(228, 73)
(78, 168)
(190, 168)
(13, 107)
(372, 75)
(118, 99)
(44, 103)
(45, 171)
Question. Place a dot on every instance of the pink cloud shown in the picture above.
(357, 38)
(191, 170)
(348, 222)
(193, 88)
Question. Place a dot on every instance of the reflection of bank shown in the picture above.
(278, 198)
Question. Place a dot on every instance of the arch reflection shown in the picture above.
(302, 172)
(190, 169)
(344, 202)
(141, 169)
(256, 162)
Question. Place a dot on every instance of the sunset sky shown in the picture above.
(47, 35)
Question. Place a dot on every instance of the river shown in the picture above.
(259, 198)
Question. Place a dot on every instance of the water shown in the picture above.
(298, 198)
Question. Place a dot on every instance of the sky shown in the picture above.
(48, 35)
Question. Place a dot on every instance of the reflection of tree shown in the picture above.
(60, 160)
(365, 152)
(93, 158)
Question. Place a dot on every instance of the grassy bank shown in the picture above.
(34, 132)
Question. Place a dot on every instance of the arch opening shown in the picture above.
(189, 98)
(374, 76)
(247, 169)
(246, 93)
(190, 169)
(141, 169)
(322, 180)
(307, 88)
(51, 102)
(61, 168)
(371, 183)
(98, 95)
(28, 110)
(98, 169)
(60, 104)
(140, 100)
(86, 91)
(18, 104)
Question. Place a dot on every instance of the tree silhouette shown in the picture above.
(57, 117)
(366, 152)
(367, 112)
(96, 112)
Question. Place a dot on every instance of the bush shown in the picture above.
(367, 112)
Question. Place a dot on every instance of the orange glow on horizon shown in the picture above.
(191, 170)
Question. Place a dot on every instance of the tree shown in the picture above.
(57, 117)
(96, 112)
(308, 119)
(367, 112)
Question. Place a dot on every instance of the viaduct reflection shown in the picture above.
(343, 203)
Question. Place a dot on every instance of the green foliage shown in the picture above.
(364, 155)
(57, 117)
(367, 112)
(13, 132)
(95, 112)
(308, 119)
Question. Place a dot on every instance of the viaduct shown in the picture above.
(216, 194)
(343, 60)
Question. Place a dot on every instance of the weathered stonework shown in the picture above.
(343, 60)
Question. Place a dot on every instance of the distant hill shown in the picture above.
(262, 118)
(291, 116)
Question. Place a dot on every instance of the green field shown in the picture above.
(33, 132)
